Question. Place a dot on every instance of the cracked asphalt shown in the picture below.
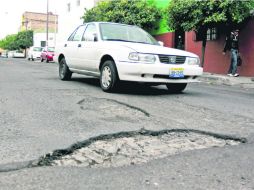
(40, 114)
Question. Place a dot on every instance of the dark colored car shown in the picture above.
(47, 54)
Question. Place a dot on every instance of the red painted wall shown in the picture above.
(247, 49)
(167, 39)
(215, 61)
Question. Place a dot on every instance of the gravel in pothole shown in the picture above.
(138, 149)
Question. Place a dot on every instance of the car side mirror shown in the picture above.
(161, 43)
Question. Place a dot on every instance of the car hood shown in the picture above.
(153, 49)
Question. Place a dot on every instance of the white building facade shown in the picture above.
(39, 39)
(70, 14)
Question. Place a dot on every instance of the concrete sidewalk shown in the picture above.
(245, 82)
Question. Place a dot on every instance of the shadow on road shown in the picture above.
(131, 88)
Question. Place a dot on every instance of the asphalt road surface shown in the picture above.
(40, 113)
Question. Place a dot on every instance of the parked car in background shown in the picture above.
(4, 54)
(47, 54)
(118, 52)
(10, 53)
(16, 54)
(34, 53)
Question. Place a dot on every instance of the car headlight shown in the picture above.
(140, 57)
(193, 61)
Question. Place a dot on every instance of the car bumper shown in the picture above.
(156, 73)
(50, 58)
(37, 57)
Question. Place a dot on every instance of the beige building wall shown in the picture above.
(37, 22)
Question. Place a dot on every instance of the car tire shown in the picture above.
(176, 87)
(47, 60)
(28, 58)
(64, 71)
(109, 76)
(42, 59)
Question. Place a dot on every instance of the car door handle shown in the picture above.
(65, 45)
(79, 45)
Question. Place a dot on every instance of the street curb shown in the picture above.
(245, 82)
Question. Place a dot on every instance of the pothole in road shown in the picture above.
(112, 110)
(129, 148)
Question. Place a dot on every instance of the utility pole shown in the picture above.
(47, 24)
(56, 21)
(26, 23)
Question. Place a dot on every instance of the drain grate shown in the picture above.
(134, 148)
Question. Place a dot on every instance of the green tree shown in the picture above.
(22, 40)
(25, 39)
(200, 15)
(133, 12)
(9, 42)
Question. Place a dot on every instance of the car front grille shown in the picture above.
(172, 59)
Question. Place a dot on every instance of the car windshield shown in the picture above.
(37, 49)
(51, 49)
(126, 33)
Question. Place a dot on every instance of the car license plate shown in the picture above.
(176, 73)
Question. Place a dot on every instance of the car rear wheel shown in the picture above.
(64, 71)
(176, 87)
(109, 77)
(42, 59)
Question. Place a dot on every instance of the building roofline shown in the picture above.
(50, 13)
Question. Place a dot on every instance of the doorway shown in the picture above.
(180, 39)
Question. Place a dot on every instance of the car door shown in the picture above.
(89, 51)
(71, 47)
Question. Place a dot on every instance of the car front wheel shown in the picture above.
(109, 76)
(64, 71)
(176, 87)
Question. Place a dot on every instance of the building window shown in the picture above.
(69, 7)
(78, 3)
(212, 34)
(43, 43)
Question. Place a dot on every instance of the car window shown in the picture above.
(72, 35)
(90, 33)
(77, 35)
(37, 49)
(51, 49)
(126, 33)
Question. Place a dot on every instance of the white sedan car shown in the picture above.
(34, 53)
(117, 52)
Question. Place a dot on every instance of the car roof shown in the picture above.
(109, 23)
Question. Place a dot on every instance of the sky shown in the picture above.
(11, 13)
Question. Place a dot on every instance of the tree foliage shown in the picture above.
(25, 39)
(21, 40)
(200, 15)
(9, 42)
(195, 14)
(134, 12)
